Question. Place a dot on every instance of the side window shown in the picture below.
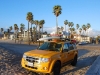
(65, 48)
(70, 46)
(74, 45)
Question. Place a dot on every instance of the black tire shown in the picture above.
(56, 68)
(74, 62)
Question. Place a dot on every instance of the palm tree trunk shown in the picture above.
(70, 35)
(31, 33)
(28, 34)
(39, 33)
(42, 31)
(56, 26)
(36, 34)
(15, 36)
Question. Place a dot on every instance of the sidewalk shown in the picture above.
(95, 68)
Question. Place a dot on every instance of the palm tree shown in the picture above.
(42, 22)
(62, 28)
(88, 26)
(8, 31)
(77, 27)
(32, 22)
(34, 30)
(65, 22)
(58, 29)
(29, 18)
(70, 24)
(15, 29)
(73, 29)
(22, 27)
(80, 30)
(10, 28)
(34, 33)
(57, 11)
(1, 30)
(36, 22)
(39, 26)
(84, 28)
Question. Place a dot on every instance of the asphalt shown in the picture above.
(95, 67)
(93, 70)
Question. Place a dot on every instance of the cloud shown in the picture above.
(93, 32)
(50, 29)
(90, 32)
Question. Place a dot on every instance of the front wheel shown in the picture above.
(74, 62)
(56, 69)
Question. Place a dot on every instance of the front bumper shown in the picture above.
(41, 68)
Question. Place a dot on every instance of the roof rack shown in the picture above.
(53, 38)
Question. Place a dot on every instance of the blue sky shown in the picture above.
(76, 11)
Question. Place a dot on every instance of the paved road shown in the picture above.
(85, 57)
(21, 48)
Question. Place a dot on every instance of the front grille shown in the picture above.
(30, 67)
(32, 59)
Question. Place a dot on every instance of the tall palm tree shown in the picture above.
(34, 33)
(88, 26)
(10, 28)
(22, 28)
(42, 22)
(72, 24)
(65, 22)
(62, 28)
(29, 18)
(77, 27)
(59, 29)
(73, 29)
(1, 30)
(32, 22)
(15, 31)
(39, 26)
(57, 11)
(8, 32)
(36, 22)
(80, 30)
(69, 24)
(84, 28)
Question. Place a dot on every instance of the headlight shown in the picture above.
(24, 56)
(44, 59)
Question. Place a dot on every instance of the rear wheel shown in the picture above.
(74, 62)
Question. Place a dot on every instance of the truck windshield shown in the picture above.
(51, 46)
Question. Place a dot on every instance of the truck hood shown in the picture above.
(41, 53)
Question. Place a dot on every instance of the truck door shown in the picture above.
(65, 53)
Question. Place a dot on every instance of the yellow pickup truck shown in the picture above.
(49, 57)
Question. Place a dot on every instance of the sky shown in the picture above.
(76, 11)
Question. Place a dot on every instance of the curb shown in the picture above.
(95, 68)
